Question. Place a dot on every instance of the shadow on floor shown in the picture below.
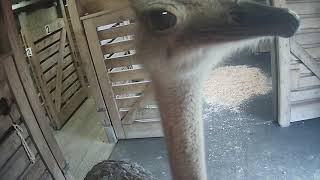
(246, 145)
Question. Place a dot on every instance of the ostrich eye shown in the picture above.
(161, 20)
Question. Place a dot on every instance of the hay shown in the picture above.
(231, 86)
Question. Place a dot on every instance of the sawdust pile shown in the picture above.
(231, 86)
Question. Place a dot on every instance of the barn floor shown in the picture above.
(241, 145)
(82, 140)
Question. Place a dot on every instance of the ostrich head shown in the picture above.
(179, 41)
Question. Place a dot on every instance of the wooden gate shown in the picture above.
(125, 85)
(299, 62)
(55, 67)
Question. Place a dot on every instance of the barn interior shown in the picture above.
(73, 94)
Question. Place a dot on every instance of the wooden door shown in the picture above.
(126, 87)
(55, 67)
(299, 62)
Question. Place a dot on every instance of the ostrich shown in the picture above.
(179, 42)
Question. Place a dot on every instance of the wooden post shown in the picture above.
(84, 53)
(283, 59)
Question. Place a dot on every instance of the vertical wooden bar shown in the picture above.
(283, 59)
(58, 91)
(95, 89)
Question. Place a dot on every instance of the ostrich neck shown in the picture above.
(181, 108)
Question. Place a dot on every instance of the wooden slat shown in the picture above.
(17, 163)
(309, 81)
(54, 26)
(69, 108)
(115, 17)
(34, 171)
(69, 92)
(305, 110)
(65, 84)
(305, 7)
(130, 88)
(311, 63)
(10, 145)
(120, 62)
(48, 41)
(45, 65)
(144, 114)
(303, 95)
(53, 71)
(135, 74)
(60, 66)
(117, 32)
(50, 51)
(118, 47)
(308, 38)
(126, 103)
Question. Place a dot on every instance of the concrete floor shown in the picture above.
(245, 145)
(83, 140)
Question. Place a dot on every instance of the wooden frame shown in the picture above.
(120, 76)
(56, 68)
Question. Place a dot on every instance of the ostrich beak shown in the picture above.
(248, 20)
(265, 20)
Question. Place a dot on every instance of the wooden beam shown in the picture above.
(95, 89)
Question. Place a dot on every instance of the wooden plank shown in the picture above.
(71, 91)
(59, 76)
(43, 55)
(54, 59)
(138, 130)
(130, 88)
(54, 26)
(95, 90)
(134, 74)
(305, 110)
(36, 67)
(308, 38)
(282, 60)
(30, 119)
(312, 64)
(48, 41)
(21, 75)
(295, 77)
(122, 61)
(17, 163)
(114, 17)
(68, 68)
(101, 70)
(307, 94)
(34, 171)
(309, 81)
(10, 145)
(144, 114)
(129, 117)
(127, 103)
(117, 32)
(118, 47)
(69, 108)
(65, 84)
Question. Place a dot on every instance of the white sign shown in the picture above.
(29, 52)
(48, 29)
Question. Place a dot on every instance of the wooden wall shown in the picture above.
(14, 161)
(305, 61)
